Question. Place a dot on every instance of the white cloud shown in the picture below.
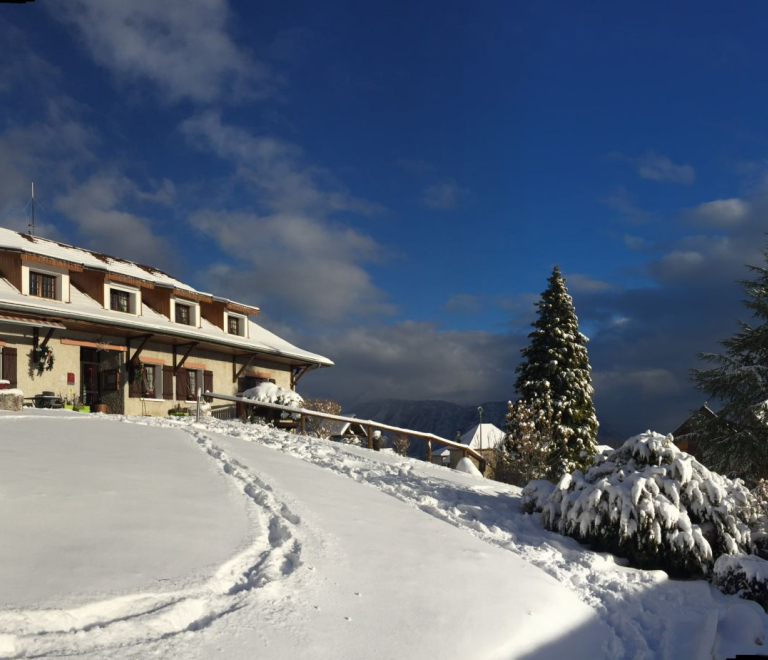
(184, 48)
(48, 151)
(442, 196)
(719, 214)
(295, 265)
(579, 283)
(660, 168)
(678, 262)
(300, 261)
(96, 208)
(646, 383)
(622, 201)
(635, 242)
(463, 303)
(412, 360)
(275, 168)
(657, 167)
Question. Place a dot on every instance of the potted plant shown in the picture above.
(178, 411)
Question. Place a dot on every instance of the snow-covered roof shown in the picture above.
(84, 308)
(43, 247)
(483, 436)
(490, 436)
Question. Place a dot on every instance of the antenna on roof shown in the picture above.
(31, 225)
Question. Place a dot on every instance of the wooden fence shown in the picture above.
(224, 412)
(369, 425)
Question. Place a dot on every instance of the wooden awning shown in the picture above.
(13, 319)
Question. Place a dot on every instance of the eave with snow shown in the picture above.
(98, 313)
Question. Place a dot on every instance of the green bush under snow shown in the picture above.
(651, 503)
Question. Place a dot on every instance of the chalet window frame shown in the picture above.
(193, 381)
(142, 390)
(120, 295)
(188, 310)
(235, 321)
(242, 324)
(37, 285)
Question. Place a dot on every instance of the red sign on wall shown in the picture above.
(70, 378)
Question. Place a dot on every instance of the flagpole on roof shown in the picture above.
(31, 225)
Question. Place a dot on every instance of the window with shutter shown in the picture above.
(9, 371)
(208, 384)
(182, 384)
(134, 389)
(192, 385)
(168, 383)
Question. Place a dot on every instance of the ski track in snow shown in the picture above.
(136, 619)
(645, 608)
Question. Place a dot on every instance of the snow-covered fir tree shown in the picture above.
(555, 372)
(522, 455)
(735, 441)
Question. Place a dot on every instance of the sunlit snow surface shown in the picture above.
(280, 546)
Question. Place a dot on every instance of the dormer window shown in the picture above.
(45, 281)
(122, 298)
(42, 285)
(183, 314)
(234, 325)
(119, 301)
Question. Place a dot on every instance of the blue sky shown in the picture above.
(393, 184)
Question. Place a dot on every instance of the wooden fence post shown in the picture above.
(370, 437)
(429, 451)
(302, 423)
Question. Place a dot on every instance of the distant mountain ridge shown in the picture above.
(445, 419)
(439, 417)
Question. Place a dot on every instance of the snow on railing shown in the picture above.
(368, 423)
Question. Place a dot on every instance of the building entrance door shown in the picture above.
(90, 376)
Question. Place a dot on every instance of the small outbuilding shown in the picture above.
(483, 438)
(349, 432)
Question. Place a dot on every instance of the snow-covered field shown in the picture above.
(138, 537)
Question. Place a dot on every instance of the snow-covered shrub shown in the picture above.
(535, 495)
(653, 504)
(355, 440)
(401, 443)
(760, 529)
(271, 393)
(319, 426)
(743, 575)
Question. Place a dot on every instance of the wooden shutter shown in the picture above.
(10, 366)
(182, 384)
(208, 384)
(134, 387)
(168, 382)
